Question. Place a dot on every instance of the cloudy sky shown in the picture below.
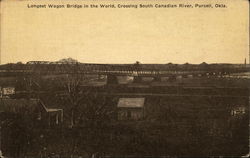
(218, 35)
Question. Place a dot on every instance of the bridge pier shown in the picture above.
(184, 76)
(157, 79)
(99, 76)
(172, 78)
(137, 79)
(200, 75)
(112, 79)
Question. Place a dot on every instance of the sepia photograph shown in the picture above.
(124, 78)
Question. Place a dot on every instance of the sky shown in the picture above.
(218, 35)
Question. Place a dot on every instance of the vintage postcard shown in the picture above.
(124, 78)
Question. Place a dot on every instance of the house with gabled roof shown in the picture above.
(130, 108)
(34, 107)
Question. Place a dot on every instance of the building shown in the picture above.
(130, 108)
(52, 116)
(35, 108)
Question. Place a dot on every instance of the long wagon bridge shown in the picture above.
(111, 71)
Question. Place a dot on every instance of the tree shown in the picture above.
(18, 129)
(83, 102)
(88, 111)
(137, 65)
(68, 61)
(74, 94)
(204, 66)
